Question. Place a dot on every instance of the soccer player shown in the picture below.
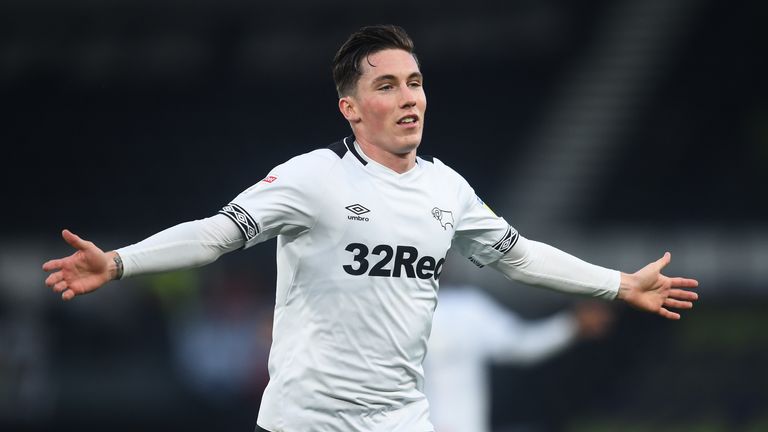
(362, 229)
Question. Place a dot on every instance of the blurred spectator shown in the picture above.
(221, 341)
(27, 395)
(470, 329)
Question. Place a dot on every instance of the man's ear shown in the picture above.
(348, 109)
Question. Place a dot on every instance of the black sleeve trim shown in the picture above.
(507, 242)
(242, 219)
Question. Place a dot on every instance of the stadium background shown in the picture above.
(612, 129)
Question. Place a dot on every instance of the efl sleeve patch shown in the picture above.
(244, 221)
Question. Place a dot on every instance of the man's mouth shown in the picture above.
(409, 119)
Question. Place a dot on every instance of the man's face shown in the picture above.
(387, 108)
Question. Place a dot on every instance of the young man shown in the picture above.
(362, 230)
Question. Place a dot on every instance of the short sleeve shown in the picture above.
(480, 235)
(282, 203)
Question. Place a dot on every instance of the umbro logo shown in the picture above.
(358, 210)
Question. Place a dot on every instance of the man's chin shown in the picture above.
(409, 143)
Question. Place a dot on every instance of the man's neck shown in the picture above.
(399, 163)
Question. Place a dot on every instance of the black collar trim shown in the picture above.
(350, 143)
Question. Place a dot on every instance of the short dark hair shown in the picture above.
(361, 44)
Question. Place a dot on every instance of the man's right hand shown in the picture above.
(82, 272)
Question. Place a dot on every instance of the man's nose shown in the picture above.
(407, 97)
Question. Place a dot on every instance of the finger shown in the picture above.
(670, 302)
(73, 240)
(683, 294)
(67, 295)
(53, 278)
(60, 286)
(663, 261)
(684, 282)
(53, 264)
(669, 315)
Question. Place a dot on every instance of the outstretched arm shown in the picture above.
(649, 290)
(536, 263)
(186, 245)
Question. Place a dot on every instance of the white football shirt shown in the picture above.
(360, 250)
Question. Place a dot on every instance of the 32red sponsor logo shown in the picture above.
(269, 179)
(407, 262)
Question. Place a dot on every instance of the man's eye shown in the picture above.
(386, 87)
(415, 84)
